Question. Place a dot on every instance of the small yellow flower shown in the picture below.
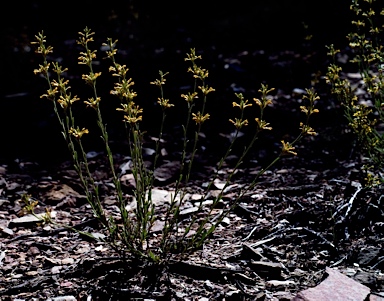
(161, 81)
(123, 90)
(93, 102)
(158, 82)
(199, 118)
(66, 100)
(312, 97)
(243, 103)
(198, 72)
(332, 51)
(86, 58)
(29, 205)
(359, 23)
(112, 50)
(314, 111)
(42, 49)
(305, 129)
(90, 78)
(132, 120)
(239, 123)
(51, 93)
(119, 70)
(130, 108)
(206, 89)
(304, 110)
(287, 149)
(85, 36)
(43, 69)
(192, 56)
(264, 90)
(111, 53)
(263, 125)
(47, 217)
(190, 96)
(164, 103)
(58, 69)
(132, 112)
(263, 102)
(77, 133)
(372, 180)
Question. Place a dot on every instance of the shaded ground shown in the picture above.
(279, 240)
(306, 213)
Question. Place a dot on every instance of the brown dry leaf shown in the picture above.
(59, 192)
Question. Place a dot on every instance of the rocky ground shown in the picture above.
(306, 215)
(294, 224)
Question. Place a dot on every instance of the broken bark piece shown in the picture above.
(336, 287)
(248, 252)
(269, 270)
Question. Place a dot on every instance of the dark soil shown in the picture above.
(306, 213)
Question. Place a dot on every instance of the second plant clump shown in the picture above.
(131, 233)
(363, 102)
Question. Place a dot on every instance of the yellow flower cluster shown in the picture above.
(200, 118)
(189, 97)
(287, 149)
(132, 112)
(77, 133)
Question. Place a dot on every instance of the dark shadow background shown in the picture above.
(243, 43)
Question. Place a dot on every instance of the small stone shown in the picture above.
(375, 298)
(226, 221)
(280, 283)
(368, 255)
(158, 226)
(56, 269)
(13, 186)
(189, 211)
(98, 236)
(7, 231)
(63, 298)
(26, 219)
(336, 287)
(34, 251)
(235, 293)
(180, 295)
(365, 278)
(67, 260)
(209, 285)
